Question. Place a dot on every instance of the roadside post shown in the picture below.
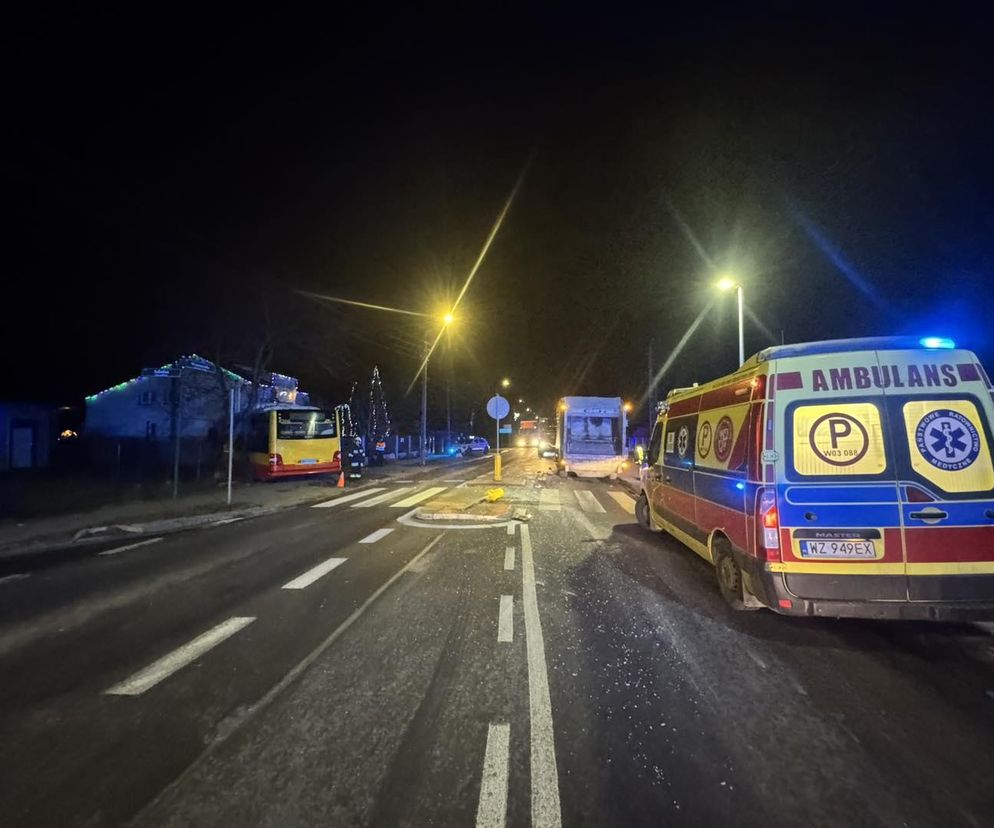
(231, 435)
(498, 408)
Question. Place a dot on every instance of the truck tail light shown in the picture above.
(768, 523)
(275, 459)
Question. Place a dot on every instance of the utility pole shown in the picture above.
(231, 435)
(424, 408)
(177, 410)
(651, 396)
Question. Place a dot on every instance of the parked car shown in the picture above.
(472, 445)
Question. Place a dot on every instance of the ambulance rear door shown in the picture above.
(837, 491)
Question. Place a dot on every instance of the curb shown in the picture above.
(462, 516)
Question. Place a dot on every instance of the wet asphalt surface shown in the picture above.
(368, 695)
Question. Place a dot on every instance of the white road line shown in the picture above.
(415, 499)
(384, 497)
(226, 521)
(510, 529)
(457, 480)
(509, 558)
(346, 498)
(624, 501)
(177, 659)
(127, 546)
(546, 810)
(505, 619)
(548, 500)
(17, 576)
(492, 810)
(403, 481)
(588, 502)
(311, 575)
(377, 535)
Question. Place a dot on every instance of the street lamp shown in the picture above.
(725, 284)
(447, 320)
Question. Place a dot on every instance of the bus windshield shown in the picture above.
(304, 425)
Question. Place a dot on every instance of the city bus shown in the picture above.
(291, 440)
(843, 478)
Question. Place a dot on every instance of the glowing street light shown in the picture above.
(505, 383)
(447, 319)
(725, 284)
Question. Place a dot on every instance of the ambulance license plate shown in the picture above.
(305, 462)
(837, 549)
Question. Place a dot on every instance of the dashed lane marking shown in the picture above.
(415, 499)
(505, 619)
(376, 501)
(588, 502)
(546, 810)
(624, 501)
(379, 534)
(312, 574)
(17, 576)
(509, 558)
(346, 498)
(128, 546)
(167, 665)
(492, 809)
(510, 529)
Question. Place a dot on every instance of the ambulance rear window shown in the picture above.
(947, 444)
(837, 440)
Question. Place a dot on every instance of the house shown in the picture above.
(27, 435)
(138, 422)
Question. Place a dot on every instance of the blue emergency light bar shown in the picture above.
(936, 342)
(870, 343)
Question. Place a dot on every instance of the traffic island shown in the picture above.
(467, 505)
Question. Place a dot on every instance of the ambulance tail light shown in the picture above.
(337, 457)
(275, 459)
(768, 524)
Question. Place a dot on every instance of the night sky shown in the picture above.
(170, 180)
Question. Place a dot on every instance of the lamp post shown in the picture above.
(727, 283)
(447, 320)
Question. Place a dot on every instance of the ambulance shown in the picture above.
(842, 478)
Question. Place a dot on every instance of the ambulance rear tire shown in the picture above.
(642, 513)
(729, 574)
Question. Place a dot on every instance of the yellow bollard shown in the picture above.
(497, 467)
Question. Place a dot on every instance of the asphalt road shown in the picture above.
(344, 665)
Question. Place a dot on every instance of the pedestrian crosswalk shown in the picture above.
(550, 498)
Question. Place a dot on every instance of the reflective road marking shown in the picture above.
(169, 664)
(588, 502)
(509, 558)
(347, 498)
(624, 501)
(546, 810)
(128, 546)
(505, 619)
(384, 497)
(377, 535)
(311, 575)
(548, 500)
(415, 499)
(492, 810)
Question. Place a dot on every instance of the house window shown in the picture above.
(146, 398)
(149, 429)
